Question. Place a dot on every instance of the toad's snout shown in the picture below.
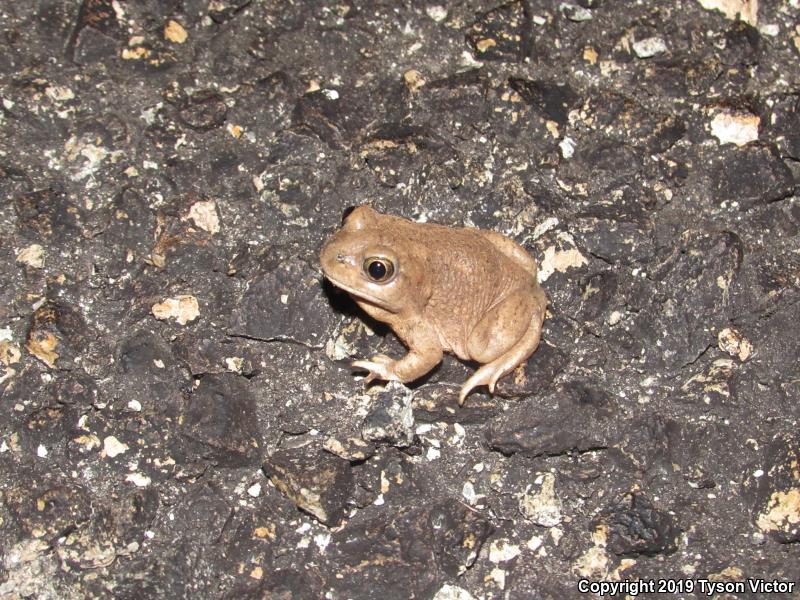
(335, 259)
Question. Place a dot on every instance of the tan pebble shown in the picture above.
(175, 32)
(485, 44)
(183, 309)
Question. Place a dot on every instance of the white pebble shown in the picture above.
(738, 128)
(567, 146)
(113, 447)
(138, 479)
(649, 47)
(437, 13)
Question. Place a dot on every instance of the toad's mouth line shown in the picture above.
(363, 295)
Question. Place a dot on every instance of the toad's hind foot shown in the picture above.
(490, 373)
(486, 375)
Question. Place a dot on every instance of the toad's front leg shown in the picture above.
(424, 353)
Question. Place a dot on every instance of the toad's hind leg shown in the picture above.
(511, 249)
(490, 373)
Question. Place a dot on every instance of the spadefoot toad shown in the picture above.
(462, 290)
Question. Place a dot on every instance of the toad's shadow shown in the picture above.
(343, 303)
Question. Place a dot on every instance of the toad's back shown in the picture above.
(467, 272)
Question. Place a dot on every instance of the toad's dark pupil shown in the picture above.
(377, 270)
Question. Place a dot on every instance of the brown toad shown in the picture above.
(462, 290)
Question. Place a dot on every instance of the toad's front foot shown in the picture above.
(380, 367)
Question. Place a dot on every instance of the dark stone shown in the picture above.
(249, 261)
(454, 97)
(220, 417)
(540, 370)
(771, 488)
(681, 76)
(90, 545)
(354, 449)
(49, 508)
(391, 420)
(153, 14)
(316, 113)
(426, 545)
(58, 335)
(793, 147)
(784, 123)
(127, 227)
(614, 241)
(331, 115)
(774, 328)
(572, 419)
(204, 110)
(608, 155)
(96, 33)
(75, 387)
(623, 203)
(750, 176)
(710, 387)
(48, 213)
(666, 329)
(156, 388)
(317, 482)
(14, 182)
(97, 13)
(637, 527)
(548, 200)
(250, 537)
(598, 298)
(663, 135)
(147, 577)
(388, 475)
(438, 403)
(283, 584)
(222, 12)
(134, 513)
(742, 45)
(458, 536)
(93, 46)
(622, 118)
(199, 517)
(204, 354)
(554, 100)
(398, 155)
(697, 449)
(305, 317)
(502, 34)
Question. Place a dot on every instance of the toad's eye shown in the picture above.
(379, 269)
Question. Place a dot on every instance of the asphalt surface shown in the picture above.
(178, 415)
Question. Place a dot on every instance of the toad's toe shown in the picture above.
(482, 376)
(378, 368)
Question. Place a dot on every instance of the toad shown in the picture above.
(467, 291)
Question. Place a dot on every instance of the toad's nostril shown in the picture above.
(340, 257)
